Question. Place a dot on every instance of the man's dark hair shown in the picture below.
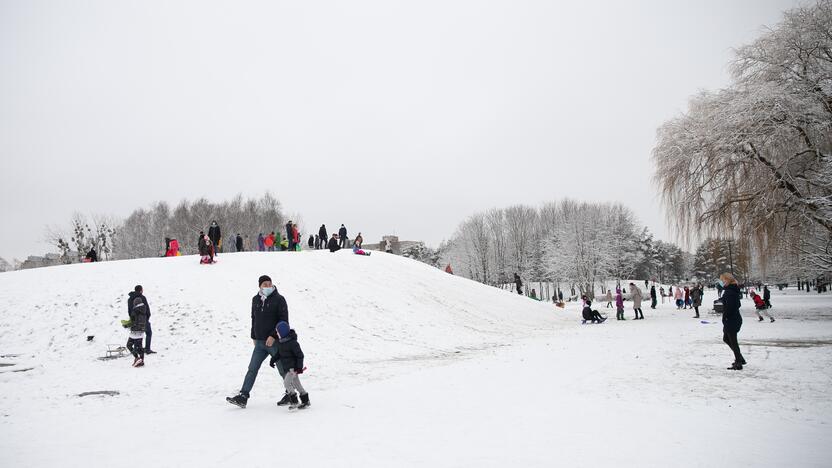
(138, 288)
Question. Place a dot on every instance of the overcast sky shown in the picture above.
(398, 117)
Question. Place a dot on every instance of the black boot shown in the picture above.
(288, 398)
(238, 400)
(735, 366)
(304, 401)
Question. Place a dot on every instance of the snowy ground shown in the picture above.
(409, 366)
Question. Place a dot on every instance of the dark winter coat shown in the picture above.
(766, 294)
(289, 352)
(92, 256)
(653, 292)
(200, 244)
(342, 233)
(239, 244)
(311, 241)
(214, 234)
(731, 318)
(139, 313)
(322, 232)
(696, 297)
(130, 298)
(333, 245)
(266, 314)
(289, 232)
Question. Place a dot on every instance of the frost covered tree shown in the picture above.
(754, 161)
(422, 253)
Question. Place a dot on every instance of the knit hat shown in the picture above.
(282, 329)
(263, 279)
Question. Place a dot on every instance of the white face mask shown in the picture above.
(266, 292)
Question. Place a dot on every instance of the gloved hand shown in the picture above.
(298, 371)
(272, 361)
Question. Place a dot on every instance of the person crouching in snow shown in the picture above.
(760, 305)
(138, 324)
(291, 357)
(591, 315)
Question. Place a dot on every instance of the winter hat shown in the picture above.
(263, 279)
(282, 329)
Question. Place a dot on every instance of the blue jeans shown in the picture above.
(148, 333)
(258, 355)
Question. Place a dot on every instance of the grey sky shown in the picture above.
(389, 116)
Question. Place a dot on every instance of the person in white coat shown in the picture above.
(636, 296)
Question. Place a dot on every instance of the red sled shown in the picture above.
(206, 260)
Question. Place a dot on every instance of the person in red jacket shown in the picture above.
(760, 306)
(295, 237)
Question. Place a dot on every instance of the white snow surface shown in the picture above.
(407, 366)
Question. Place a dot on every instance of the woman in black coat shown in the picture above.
(731, 318)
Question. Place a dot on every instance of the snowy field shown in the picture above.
(408, 366)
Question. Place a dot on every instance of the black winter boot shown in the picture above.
(288, 398)
(304, 401)
(238, 400)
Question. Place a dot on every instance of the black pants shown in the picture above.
(638, 311)
(653, 303)
(343, 242)
(696, 308)
(730, 338)
(134, 345)
(619, 314)
(148, 334)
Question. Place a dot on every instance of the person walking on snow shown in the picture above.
(731, 318)
(609, 298)
(268, 308)
(138, 309)
(518, 283)
(342, 234)
(636, 293)
(696, 298)
(661, 291)
(767, 297)
(138, 292)
(311, 242)
(760, 305)
(687, 297)
(653, 301)
(290, 357)
(261, 243)
(678, 297)
(238, 243)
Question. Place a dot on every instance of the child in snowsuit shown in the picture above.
(138, 324)
(619, 305)
(760, 305)
(291, 358)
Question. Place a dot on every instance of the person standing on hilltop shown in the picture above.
(342, 234)
(322, 234)
(215, 235)
(289, 235)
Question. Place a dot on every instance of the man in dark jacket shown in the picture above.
(731, 318)
(323, 236)
(290, 236)
(268, 308)
(239, 243)
(767, 296)
(138, 291)
(333, 244)
(215, 236)
(342, 233)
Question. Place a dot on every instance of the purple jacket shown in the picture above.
(619, 301)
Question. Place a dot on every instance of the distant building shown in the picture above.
(50, 259)
(396, 245)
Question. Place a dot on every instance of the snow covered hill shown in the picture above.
(352, 313)
(408, 366)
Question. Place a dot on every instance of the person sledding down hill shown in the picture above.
(356, 249)
(206, 251)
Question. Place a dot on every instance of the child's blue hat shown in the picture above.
(282, 329)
